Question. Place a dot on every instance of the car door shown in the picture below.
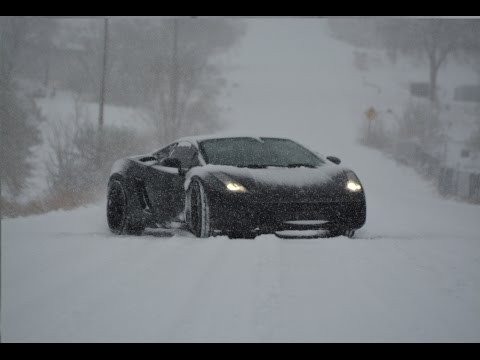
(188, 155)
(157, 180)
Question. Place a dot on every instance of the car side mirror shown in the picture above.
(173, 163)
(334, 159)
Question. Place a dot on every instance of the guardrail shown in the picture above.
(450, 182)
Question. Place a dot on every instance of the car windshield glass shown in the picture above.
(258, 153)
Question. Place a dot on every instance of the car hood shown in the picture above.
(284, 184)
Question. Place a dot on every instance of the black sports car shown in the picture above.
(238, 186)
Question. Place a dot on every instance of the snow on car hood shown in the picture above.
(276, 176)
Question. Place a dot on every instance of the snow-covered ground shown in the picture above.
(411, 274)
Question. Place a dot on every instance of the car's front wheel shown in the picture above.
(198, 211)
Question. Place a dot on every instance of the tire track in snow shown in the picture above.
(236, 296)
(85, 285)
(186, 325)
(268, 282)
(402, 292)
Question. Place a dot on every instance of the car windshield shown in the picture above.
(258, 153)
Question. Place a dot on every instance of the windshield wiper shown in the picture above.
(300, 165)
(259, 166)
(253, 166)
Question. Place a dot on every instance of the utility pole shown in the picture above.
(101, 110)
(174, 77)
(1, 172)
(104, 74)
(46, 80)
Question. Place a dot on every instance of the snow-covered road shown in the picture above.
(412, 274)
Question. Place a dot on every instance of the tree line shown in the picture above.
(167, 68)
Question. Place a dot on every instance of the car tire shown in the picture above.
(198, 210)
(350, 233)
(119, 214)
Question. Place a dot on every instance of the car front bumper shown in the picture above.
(237, 212)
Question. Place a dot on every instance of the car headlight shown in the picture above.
(353, 184)
(235, 187)
(230, 185)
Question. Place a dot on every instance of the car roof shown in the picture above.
(200, 138)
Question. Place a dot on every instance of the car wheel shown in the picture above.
(349, 233)
(198, 216)
(118, 215)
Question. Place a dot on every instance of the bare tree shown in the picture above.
(75, 176)
(433, 39)
(420, 123)
(13, 33)
(360, 32)
(18, 112)
(186, 79)
(163, 65)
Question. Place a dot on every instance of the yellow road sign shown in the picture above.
(371, 113)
